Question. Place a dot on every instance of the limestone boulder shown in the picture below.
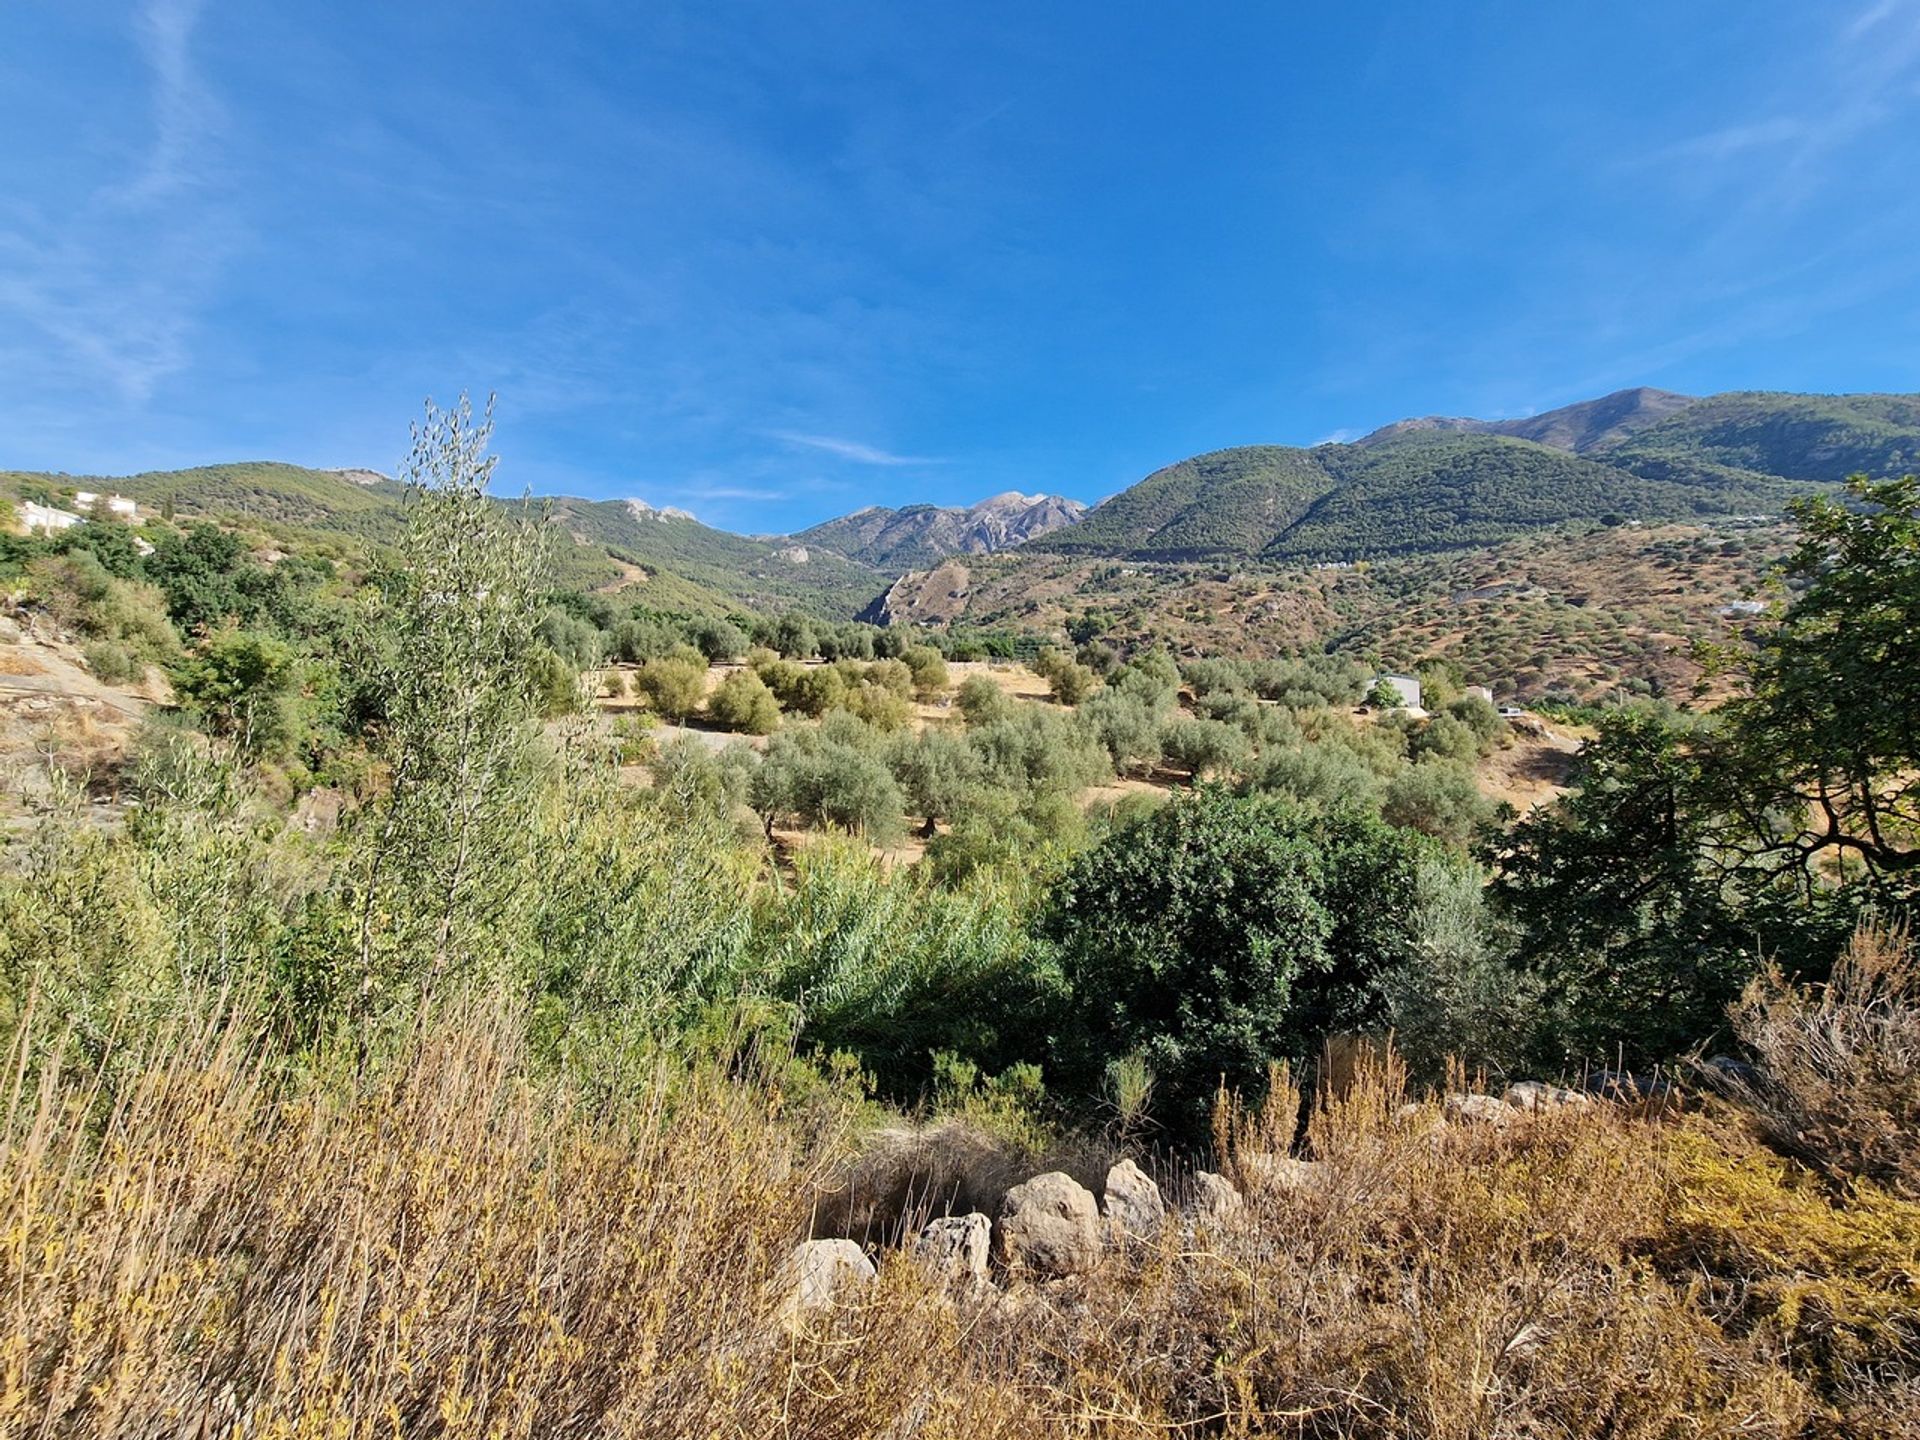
(822, 1271)
(1132, 1201)
(1049, 1227)
(956, 1246)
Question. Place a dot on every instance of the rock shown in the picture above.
(956, 1246)
(1737, 1072)
(1215, 1199)
(1538, 1095)
(1132, 1201)
(1048, 1227)
(1478, 1109)
(821, 1270)
(1262, 1171)
(1619, 1085)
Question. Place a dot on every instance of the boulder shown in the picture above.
(1628, 1088)
(956, 1246)
(1538, 1095)
(1478, 1109)
(1048, 1227)
(1215, 1199)
(1264, 1171)
(822, 1270)
(1132, 1201)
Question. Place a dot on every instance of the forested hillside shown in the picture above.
(1437, 483)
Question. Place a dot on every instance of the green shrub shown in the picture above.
(743, 703)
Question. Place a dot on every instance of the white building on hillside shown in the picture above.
(45, 519)
(1405, 686)
(116, 504)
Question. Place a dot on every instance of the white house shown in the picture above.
(1405, 686)
(1478, 692)
(116, 504)
(44, 518)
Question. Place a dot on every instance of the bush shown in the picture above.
(828, 776)
(1223, 934)
(982, 702)
(244, 685)
(113, 664)
(1069, 681)
(1127, 726)
(673, 685)
(1839, 1083)
(743, 703)
(1439, 798)
(1203, 747)
(928, 669)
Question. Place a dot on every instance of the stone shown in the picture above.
(1478, 1109)
(823, 1270)
(1264, 1171)
(1132, 1201)
(1215, 1199)
(1048, 1228)
(1538, 1095)
(956, 1246)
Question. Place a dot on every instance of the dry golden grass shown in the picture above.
(195, 1245)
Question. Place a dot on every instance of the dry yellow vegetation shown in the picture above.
(198, 1243)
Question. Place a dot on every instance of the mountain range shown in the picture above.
(1416, 486)
(916, 535)
(1439, 484)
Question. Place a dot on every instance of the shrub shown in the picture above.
(673, 685)
(743, 703)
(113, 663)
(1203, 747)
(1069, 681)
(1222, 934)
(982, 702)
(927, 667)
(1840, 1063)
(1439, 798)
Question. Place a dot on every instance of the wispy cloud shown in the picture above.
(853, 450)
(110, 291)
(184, 111)
(1865, 76)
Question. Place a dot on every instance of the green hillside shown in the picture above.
(1414, 491)
(263, 491)
(1797, 437)
(1229, 502)
(1442, 492)
(765, 573)
(687, 565)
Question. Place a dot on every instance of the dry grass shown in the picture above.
(1839, 1082)
(201, 1247)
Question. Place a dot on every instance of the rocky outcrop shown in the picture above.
(1538, 1095)
(821, 1271)
(1215, 1199)
(1048, 1228)
(1131, 1201)
(955, 1247)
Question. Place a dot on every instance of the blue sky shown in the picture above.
(773, 262)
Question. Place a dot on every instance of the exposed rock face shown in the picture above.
(1132, 1201)
(823, 1270)
(916, 536)
(956, 1246)
(1215, 1199)
(1282, 1172)
(1477, 1109)
(1048, 1227)
(1538, 1095)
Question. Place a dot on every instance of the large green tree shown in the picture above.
(1223, 933)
